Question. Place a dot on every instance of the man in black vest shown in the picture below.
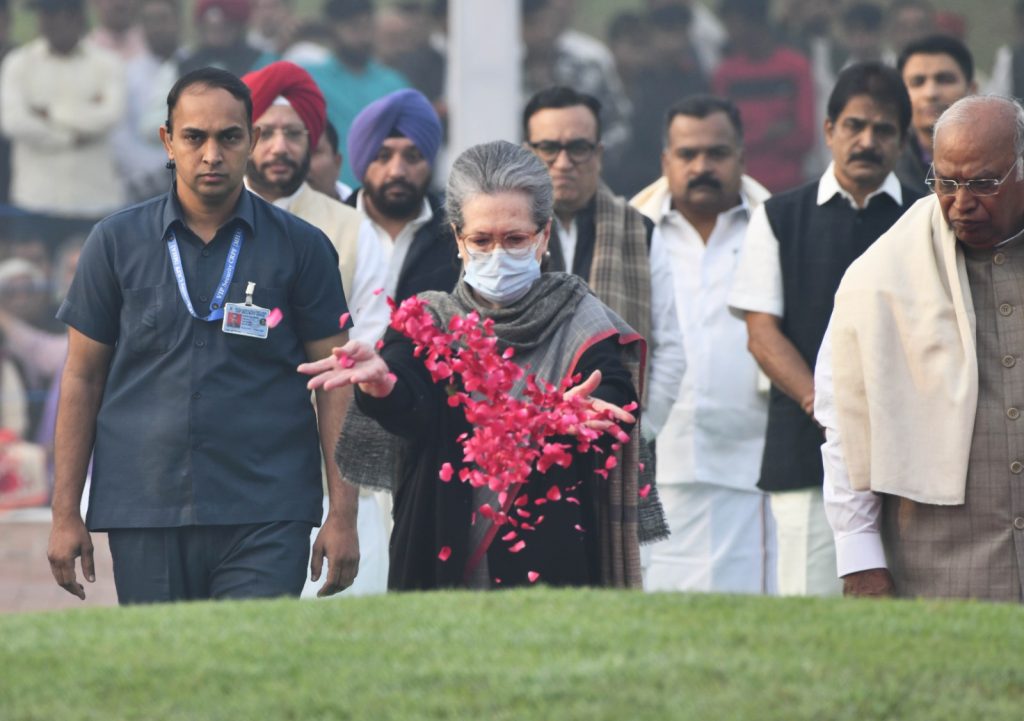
(798, 246)
(938, 70)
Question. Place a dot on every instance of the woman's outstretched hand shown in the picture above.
(587, 387)
(355, 363)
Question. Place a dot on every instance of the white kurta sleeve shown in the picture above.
(854, 515)
(17, 119)
(97, 117)
(666, 357)
(370, 312)
(757, 284)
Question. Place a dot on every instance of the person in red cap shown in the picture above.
(289, 110)
(221, 26)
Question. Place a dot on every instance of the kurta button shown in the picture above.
(1012, 413)
(204, 298)
(1018, 523)
(1005, 309)
(196, 396)
(1016, 467)
(998, 258)
(201, 343)
(1009, 361)
(206, 253)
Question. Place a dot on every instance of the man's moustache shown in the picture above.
(709, 181)
(398, 184)
(866, 156)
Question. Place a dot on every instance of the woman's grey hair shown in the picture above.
(966, 110)
(498, 167)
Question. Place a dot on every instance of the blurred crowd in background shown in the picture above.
(81, 104)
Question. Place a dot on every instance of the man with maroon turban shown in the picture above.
(290, 112)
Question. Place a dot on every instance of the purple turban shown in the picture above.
(407, 112)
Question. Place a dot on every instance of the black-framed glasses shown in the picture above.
(579, 150)
(976, 186)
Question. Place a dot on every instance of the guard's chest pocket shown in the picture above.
(148, 319)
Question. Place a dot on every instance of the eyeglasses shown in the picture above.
(579, 150)
(292, 134)
(517, 244)
(977, 186)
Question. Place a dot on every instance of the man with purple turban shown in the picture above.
(290, 112)
(392, 145)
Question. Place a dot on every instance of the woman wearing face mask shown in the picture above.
(499, 202)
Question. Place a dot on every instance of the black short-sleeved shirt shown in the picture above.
(196, 426)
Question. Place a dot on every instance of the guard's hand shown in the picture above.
(355, 363)
(873, 583)
(69, 539)
(597, 405)
(338, 544)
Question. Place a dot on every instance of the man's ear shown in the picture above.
(165, 139)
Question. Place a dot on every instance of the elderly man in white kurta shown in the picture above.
(920, 379)
(709, 450)
(60, 96)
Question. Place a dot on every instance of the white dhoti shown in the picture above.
(722, 541)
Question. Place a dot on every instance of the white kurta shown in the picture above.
(58, 111)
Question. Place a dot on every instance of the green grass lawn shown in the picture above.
(536, 654)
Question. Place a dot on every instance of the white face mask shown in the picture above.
(500, 276)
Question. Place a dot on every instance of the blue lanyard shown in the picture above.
(217, 304)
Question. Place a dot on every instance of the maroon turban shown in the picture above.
(288, 80)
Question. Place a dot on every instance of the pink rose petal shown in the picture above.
(510, 536)
(378, 291)
(517, 547)
(554, 493)
(445, 553)
(645, 490)
(533, 576)
(379, 344)
(445, 474)
(343, 320)
(274, 317)
(579, 528)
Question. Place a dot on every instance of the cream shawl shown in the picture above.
(905, 364)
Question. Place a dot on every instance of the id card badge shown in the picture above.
(246, 319)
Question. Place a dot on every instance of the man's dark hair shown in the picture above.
(332, 136)
(560, 96)
(700, 107)
(626, 25)
(670, 17)
(210, 78)
(864, 16)
(878, 81)
(347, 9)
(939, 45)
(753, 11)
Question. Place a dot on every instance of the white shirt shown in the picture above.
(715, 428)
(139, 151)
(854, 515)
(666, 363)
(370, 312)
(62, 163)
(395, 249)
(758, 284)
(567, 242)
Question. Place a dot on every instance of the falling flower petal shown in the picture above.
(378, 291)
(554, 493)
(446, 472)
(445, 553)
(641, 467)
(343, 320)
(517, 547)
(570, 499)
(611, 462)
(510, 536)
(645, 490)
(579, 528)
(379, 344)
(533, 576)
(274, 317)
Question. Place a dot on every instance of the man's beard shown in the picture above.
(405, 205)
(282, 188)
